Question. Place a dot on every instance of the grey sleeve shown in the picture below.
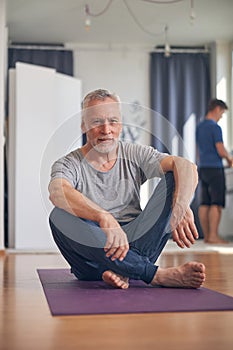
(64, 168)
(150, 161)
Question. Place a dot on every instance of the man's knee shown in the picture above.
(79, 230)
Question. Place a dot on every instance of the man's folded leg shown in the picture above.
(149, 232)
(89, 262)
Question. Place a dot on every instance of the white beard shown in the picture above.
(102, 148)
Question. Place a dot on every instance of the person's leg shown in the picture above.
(89, 261)
(80, 266)
(217, 195)
(149, 232)
(203, 214)
(81, 242)
(154, 224)
(203, 210)
(215, 213)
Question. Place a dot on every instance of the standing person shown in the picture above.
(97, 222)
(211, 171)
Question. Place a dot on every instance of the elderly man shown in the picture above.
(97, 222)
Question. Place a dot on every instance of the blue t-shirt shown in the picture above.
(208, 133)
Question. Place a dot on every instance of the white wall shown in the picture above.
(124, 71)
(224, 66)
(224, 92)
(3, 47)
(222, 87)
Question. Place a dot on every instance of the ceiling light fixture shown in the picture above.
(89, 14)
(167, 48)
(192, 12)
(87, 20)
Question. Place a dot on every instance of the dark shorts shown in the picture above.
(213, 186)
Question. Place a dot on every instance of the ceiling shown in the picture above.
(131, 22)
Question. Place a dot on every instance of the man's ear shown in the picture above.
(83, 127)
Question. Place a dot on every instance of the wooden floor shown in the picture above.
(26, 322)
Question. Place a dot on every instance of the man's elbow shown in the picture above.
(195, 171)
(56, 193)
(54, 197)
(193, 168)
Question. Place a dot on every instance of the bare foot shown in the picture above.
(189, 275)
(216, 240)
(115, 280)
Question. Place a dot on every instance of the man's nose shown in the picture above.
(106, 127)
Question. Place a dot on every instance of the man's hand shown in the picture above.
(184, 231)
(117, 244)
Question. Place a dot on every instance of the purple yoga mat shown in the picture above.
(68, 296)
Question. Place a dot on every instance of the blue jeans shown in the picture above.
(81, 241)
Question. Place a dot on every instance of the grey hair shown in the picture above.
(100, 94)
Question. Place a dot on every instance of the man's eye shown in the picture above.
(96, 122)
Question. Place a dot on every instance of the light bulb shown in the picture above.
(87, 24)
(167, 50)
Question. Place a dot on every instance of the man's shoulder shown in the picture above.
(204, 121)
(140, 152)
(72, 156)
(206, 124)
(130, 146)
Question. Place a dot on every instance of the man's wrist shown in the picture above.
(102, 215)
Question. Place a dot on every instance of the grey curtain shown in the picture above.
(61, 60)
(179, 87)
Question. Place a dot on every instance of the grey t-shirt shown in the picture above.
(116, 190)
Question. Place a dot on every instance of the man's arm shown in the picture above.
(184, 231)
(223, 153)
(64, 196)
